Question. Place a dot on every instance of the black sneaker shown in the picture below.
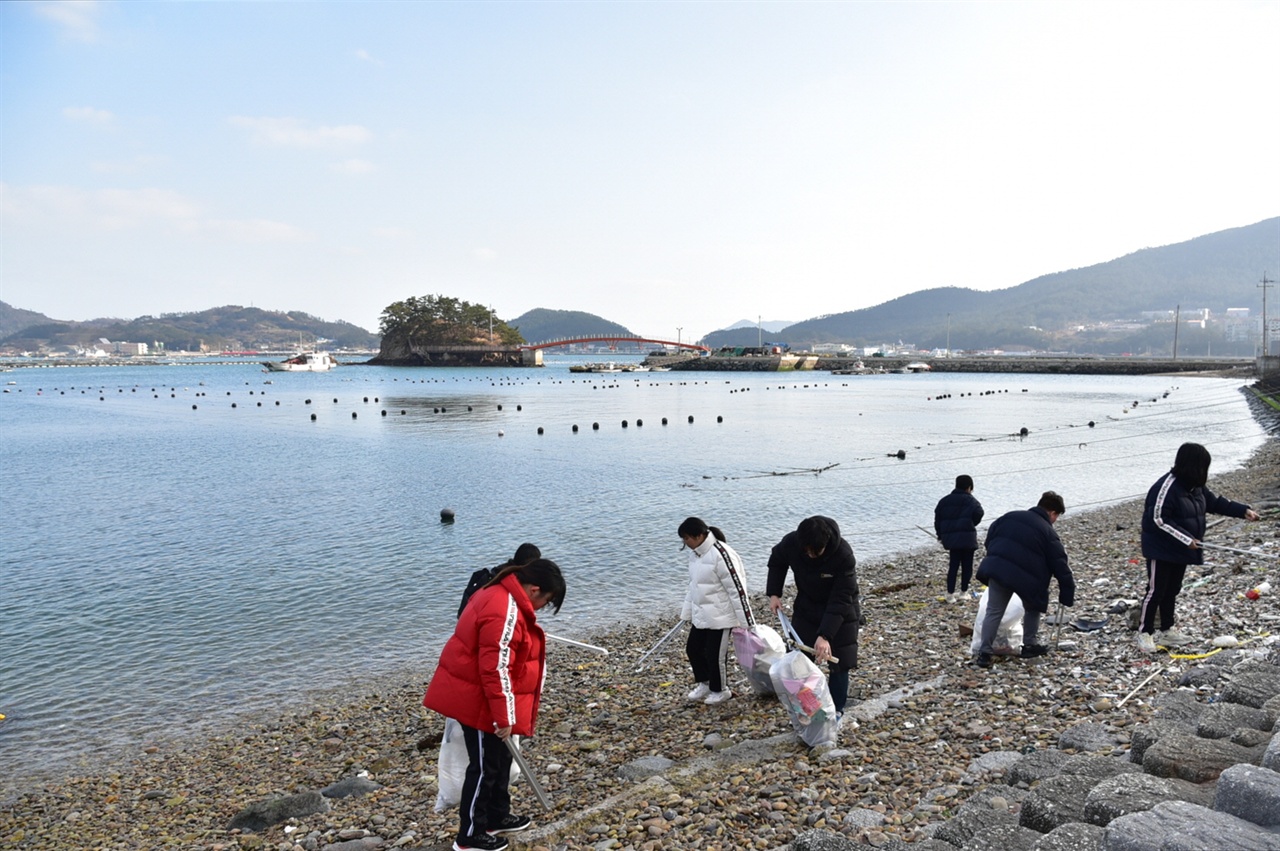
(483, 842)
(983, 660)
(510, 824)
(1031, 651)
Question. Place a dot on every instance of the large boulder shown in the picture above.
(1179, 825)
(1073, 836)
(1251, 683)
(1036, 766)
(1250, 792)
(260, 815)
(1195, 759)
(1135, 793)
(1056, 801)
(1221, 720)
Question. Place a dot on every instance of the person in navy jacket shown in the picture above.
(489, 679)
(955, 520)
(1023, 554)
(1173, 526)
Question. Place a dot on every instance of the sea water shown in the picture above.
(185, 544)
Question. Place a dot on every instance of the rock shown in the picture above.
(1252, 683)
(645, 766)
(1036, 766)
(1072, 836)
(1134, 793)
(1086, 736)
(1271, 758)
(349, 786)
(1146, 735)
(1090, 765)
(972, 819)
(1179, 706)
(1250, 792)
(1200, 676)
(262, 814)
(863, 817)
(821, 840)
(1221, 720)
(1003, 837)
(1056, 801)
(1177, 824)
(996, 762)
(368, 843)
(1193, 758)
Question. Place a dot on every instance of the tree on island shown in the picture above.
(437, 320)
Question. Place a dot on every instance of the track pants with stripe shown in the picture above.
(706, 649)
(486, 796)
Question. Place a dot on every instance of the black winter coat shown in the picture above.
(827, 601)
(1174, 517)
(1023, 553)
(956, 519)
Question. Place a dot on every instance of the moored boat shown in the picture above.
(303, 362)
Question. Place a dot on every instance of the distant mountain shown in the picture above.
(1217, 271)
(540, 324)
(773, 326)
(13, 319)
(217, 329)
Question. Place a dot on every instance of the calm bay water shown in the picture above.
(183, 544)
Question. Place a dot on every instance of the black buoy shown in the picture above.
(664, 420)
(639, 423)
(313, 418)
(624, 423)
(446, 515)
(499, 407)
(1090, 423)
(519, 407)
(902, 454)
(353, 415)
(719, 419)
(384, 412)
(575, 428)
(1024, 432)
(595, 426)
(539, 429)
(691, 418)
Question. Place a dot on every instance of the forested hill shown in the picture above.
(216, 329)
(1217, 271)
(541, 324)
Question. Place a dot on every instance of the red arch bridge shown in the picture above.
(569, 341)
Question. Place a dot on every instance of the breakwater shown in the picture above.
(1060, 365)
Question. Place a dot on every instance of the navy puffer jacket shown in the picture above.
(956, 519)
(1174, 517)
(1024, 553)
(827, 601)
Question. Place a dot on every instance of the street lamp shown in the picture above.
(948, 335)
(679, 329)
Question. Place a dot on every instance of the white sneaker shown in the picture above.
(700, 691)
(718, 697)
(1146, 643)
(1172, 638)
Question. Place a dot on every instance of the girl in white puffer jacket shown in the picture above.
(716, 602)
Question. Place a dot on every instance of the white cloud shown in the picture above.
(70, 208)
(78, 19)
(365, 56)
(352, 167)
(292, 133)
(130, 166)
(88, 115)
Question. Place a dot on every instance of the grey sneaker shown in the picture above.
(1146, 643)
(718, 697)
(1172, 638)
(700, 691)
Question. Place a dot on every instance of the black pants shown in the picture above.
(1164, 581)
(706, 649)
(486, 798)
(961, 560)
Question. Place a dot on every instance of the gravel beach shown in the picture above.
(738, 778)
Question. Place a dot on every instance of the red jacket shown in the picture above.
(490, 672)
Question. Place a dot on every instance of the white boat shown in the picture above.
(609, 367)
(917, 366)
(303, 362)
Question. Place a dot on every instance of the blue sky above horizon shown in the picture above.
(662, 165)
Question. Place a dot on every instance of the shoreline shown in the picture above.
(599, 714)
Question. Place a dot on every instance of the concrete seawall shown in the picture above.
(1242, 367)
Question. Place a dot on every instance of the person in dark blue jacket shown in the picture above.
(955, 520)
(827, 611)
(1023, 554)
(1173, 526)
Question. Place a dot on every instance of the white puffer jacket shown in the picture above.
(717, 597)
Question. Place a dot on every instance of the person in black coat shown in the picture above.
(955, 520)
(1023, 554)
(827, 611)
(1173, 526)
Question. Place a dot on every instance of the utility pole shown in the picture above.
(679, 330)
(759, 332)
(1177, 320)
(491, 324)
(948, 335)
(1265, 285)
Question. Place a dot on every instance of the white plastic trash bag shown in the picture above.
(451, 770)
(757, 648)
(1008, 639)
(803, 690)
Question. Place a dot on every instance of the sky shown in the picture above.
(675, 167)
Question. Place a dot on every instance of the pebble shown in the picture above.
(895, 772)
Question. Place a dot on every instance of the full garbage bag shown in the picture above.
(757, 648)
(802, 687)
(451, 768)
(1008, 639)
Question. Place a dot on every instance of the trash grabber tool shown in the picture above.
(793, 637)
(518, 758)
(927, 532)
(593, 648)
(1057, 630)
(1209, 546)
(661, 641)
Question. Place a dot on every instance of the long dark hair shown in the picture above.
(692, 527)
(1191, 466)
(542, 572)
